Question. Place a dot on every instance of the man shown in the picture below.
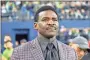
(45, 46)
(80, 44)
(9, 47)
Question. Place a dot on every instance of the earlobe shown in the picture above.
(35, 26)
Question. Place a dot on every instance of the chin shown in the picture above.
(50, 35)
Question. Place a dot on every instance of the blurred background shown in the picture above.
(17, 19)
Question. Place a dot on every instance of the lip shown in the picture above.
(51, 29)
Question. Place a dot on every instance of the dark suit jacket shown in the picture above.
(86, 57)
(32, 51)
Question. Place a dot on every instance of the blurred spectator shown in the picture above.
(64, 35)
(89, 33)
(3, 7)
(78, 14)
(30, 8)
(36, 5)
(23, 41)
(80, 44)
(4, 12)
(83, 33)
(7, 38)
(9, 47)
(23, 11)
(89, 43)
(61, 36)
(62, 14)
(17, 43)
(84, 13)
(71, 14)
(9, 7)
(73, 33)
(18, 4)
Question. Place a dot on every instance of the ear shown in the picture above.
(36, 25)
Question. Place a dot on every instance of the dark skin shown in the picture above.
(47, 24)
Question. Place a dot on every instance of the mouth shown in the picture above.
(51, 28)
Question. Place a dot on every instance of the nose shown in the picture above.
(50, 22)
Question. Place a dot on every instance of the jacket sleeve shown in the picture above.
(15, 55)
(73, 54)
(76, 57)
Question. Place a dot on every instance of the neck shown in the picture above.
(10, 48)
(47, 37)
(41, 37)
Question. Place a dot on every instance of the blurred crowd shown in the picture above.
(9, 46)
(25, 10)
(69, 33)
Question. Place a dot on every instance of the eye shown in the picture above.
(54, 19)
(45, 19)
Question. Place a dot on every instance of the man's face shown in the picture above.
(47, 24)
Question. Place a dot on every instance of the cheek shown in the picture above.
(57, 24)
(41, 26)
(82, 53)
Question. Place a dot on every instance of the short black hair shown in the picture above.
(43, 8)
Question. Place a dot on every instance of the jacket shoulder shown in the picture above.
(22, 51)
(65, 46)
(69, 52)
(24, 46)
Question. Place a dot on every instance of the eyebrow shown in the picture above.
(44, 18)
(52, 17)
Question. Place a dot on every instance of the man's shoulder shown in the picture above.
(65, 47)
(67, 50)
(23, 51)
(25, 46)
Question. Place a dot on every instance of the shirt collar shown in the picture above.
(44, 41)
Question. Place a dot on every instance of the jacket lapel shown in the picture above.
(38, 55)
(36, 50)
(62, 51)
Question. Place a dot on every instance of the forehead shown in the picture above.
(48, 13)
